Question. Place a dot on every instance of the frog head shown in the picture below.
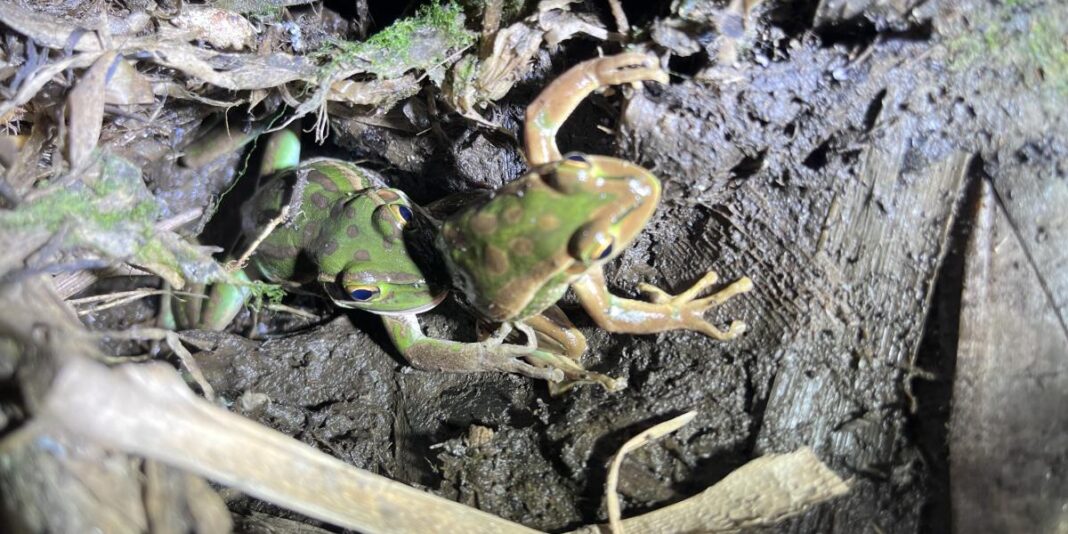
(515, 255)
(363, 262)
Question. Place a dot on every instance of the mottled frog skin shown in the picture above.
(511, 256)
(516, 255)
(347, 234)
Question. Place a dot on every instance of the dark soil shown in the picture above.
(835, 165)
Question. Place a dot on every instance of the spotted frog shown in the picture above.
(514, 255)
(345, 233)
(510, 256)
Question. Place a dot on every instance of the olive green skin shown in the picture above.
(346, 231)
(515, 255)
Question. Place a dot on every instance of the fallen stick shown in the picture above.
(762, 492)
(147, 410)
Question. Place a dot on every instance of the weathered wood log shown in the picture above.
(1009, 427)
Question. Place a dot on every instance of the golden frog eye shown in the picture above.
(401, 211)
(363, 293)
(591, 244)
(567, 175)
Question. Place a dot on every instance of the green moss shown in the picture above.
(111, 212)
(466, 69)
(1039, 52)
(417, 42)
(264, 292)
(1048, 50)
(153, 251)
(51, 211)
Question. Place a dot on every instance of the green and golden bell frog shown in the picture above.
(346, 234)
(511, 256)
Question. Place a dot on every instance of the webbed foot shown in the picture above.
(692, 309)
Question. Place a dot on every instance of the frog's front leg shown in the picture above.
(556, 333)
(547, 113)
(214, 310)
(492, 354)
(665, 312)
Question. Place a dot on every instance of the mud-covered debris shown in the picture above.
(222, 29)
(86, 108)
(109, 214)
(127, 86)
(505, 56)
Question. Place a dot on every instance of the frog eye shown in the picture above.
(402, 211)
(567, 175)
(578, 160)
(606, 252)
(362, 293)
(590, 244)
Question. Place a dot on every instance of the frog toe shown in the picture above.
(514, 365)
(742, 285)
(655, 294)
(735, 329)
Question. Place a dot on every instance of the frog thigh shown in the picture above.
(557, 334)
(224, 303)
(433, 354)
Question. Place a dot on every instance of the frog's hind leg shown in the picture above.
(558, 336)
(551, 331)
(547, 113)
(281, 152)
(556, 344)
(556, 333)
(491, 354)
(212, 309)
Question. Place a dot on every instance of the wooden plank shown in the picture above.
(1009, 425)
(844, 375)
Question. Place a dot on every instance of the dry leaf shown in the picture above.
(126, 86)
(85, 109)
(222, 29)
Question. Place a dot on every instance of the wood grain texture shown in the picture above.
(1009, 426)
(840, 386)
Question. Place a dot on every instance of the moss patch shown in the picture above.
(111, 213)
(419, 42)
(1029, 38)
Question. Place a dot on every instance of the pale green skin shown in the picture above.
(348, 235)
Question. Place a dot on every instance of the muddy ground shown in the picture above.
(837, 164)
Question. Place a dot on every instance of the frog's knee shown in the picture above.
(576, 345)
